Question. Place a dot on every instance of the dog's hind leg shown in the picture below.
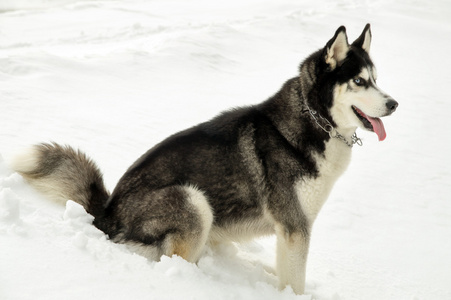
(189, 244)
(172, 221)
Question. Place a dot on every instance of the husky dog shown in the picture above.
(253, 171)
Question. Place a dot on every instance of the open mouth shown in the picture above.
(370, 123)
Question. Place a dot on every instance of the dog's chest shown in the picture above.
(313, 192)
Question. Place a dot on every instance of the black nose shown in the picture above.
(391, 105)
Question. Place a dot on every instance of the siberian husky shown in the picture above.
(252, 171)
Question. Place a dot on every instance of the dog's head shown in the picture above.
(346, 82)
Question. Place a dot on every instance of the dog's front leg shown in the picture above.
(292, 250)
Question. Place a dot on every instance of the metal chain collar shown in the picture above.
(333, 133)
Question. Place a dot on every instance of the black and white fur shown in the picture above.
(259, 170)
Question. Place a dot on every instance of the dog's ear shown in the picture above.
(364, 40)
(337, 48)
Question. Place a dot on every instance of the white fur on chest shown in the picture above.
(313, 192)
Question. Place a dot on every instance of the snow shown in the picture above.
(116, 77)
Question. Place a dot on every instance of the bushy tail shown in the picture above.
(62, 173)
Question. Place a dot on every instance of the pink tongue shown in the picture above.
(378, 127)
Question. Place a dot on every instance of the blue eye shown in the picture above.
(359, 81)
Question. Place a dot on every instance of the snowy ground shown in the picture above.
(116, 77)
